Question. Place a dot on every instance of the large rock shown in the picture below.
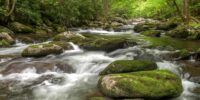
(124, 66)
(6, 30)
(20, 28)
(145, 26)
(153, 33)
(145, 84)
(40, 50)
(68, 36)
(6, 39)
(179, 32)
(96, 42)
(167, 25)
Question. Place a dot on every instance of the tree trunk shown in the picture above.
(106, 8)
(186, 11)
(10, 6)
(178, 10)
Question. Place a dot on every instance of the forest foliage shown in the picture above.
(76, 12)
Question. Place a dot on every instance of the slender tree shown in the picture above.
(10, 6)
(186, 11)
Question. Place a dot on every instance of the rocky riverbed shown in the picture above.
(122, 63)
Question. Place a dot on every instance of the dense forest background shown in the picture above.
(79, 12)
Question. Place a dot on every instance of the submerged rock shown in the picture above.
(14, 87)
(145, 84)
(40, 50)
(20, 28)
(37, 66)
(124, 66)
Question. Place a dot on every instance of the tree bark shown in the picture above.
(10, 6)
(186, 11)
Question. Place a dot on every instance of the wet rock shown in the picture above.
(123, 28)
(96, 42)
(6, 39)
(20, 28)
(196, 90)
(37, 66)
(125, 66)
(97, 98)
(145, 84)
(182, 55)
(191, 70)
(68, 36)
(106, 44)
(6, 30)
(119, 20)
(60, 29)
(115, 24)
(40, 31)
(179, 32)
(25, 39)
(40, 50)
(167, 26)
(194, 34)
(145, 26)
(152, 33)
(17, 88)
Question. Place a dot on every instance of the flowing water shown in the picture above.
(73, 75)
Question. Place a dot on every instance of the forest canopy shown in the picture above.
(76, 12)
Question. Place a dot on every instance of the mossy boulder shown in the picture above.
(106, 44)
(20, 28)
(124, 66)
(6, 39)
(96, 42)
(167, 25)
(194, 34)
(97, 98)
(144, 84)
(153, 33)
(68, 36)
(6, 30)
(145, 26)
(179, 32)
(183, 54)
(40, 50)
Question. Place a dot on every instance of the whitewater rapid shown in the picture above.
(82, 82)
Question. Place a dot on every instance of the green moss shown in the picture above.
(153, 33)
(97, 98)
(145, 26)
(184, 53)
(167, 41)
(5, 29)
(144, 84)
(124, 66)
(20, 28)
(64, 45)
(40, 50)
(167, 25)
(4, 43)
(98, 42)
(179, 32)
